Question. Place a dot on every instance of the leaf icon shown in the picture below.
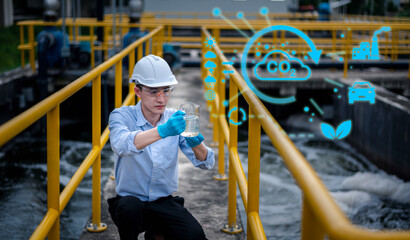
(328, 130)
(343, 129)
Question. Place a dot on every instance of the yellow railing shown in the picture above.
(320, 214)
(73, 27)
(391, 44)
(56, 202)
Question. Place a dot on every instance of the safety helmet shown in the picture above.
(153, 71)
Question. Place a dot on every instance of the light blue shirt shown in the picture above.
(152, 172)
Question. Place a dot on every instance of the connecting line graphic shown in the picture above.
(316, 106)
(240, 15)
(234, 26)
(267, 19)
(333, 82)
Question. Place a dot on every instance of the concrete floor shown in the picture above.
(205, 197)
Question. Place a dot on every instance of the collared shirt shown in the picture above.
(152, 172)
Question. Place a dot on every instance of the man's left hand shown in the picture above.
(194, 141)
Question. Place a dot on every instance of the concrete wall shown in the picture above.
(380, 131)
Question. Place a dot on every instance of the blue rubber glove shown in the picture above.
(194, 141)
(174, 126)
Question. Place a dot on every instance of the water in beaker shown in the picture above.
(191, 118)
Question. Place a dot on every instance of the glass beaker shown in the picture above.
(191, 118)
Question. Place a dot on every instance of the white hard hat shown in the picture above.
(153, 71)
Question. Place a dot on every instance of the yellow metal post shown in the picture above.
(147, 46)
(32, 53)
(118, 84)
(96, 225)
(232, 227)
(221, 113)
(92, 55)
(53, 167)
(254, 148)
(22, 55)
(311, 228)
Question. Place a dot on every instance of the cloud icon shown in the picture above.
(210, 65)
(279, 68)
(210, 54)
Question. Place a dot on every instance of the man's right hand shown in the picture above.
(174, 126)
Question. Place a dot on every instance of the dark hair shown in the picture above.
(138, 85)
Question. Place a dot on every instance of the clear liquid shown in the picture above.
(192, 126)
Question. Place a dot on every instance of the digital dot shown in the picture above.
(253, 61)
(293, 52)
(339, 96)
(348, 29)
(234, 50)
(256, 48)
(258, 54)
(259, 43)
(266, 46)
(342, 35)
(264, 11)
(313, 114)
(283, 44)
(233, 58)
(306, 109)
(223, 80)
(225, 103)
(351, 66)
(310, 119)
(216, 12)
(222, 51)
(288, 50)
(335, 90)
(305, 57)
(239, 15)
(287, 43)
(341, 59)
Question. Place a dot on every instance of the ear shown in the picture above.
(137, 91)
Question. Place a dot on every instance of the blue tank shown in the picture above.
(133, 35)
(55, 45)
(324, 11)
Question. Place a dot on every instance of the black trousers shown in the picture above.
(166, 216)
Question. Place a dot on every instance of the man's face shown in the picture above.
(153, 100)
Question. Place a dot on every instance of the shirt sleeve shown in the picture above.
(210, 157)
(121, 138)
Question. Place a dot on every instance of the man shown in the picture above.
(145, 140)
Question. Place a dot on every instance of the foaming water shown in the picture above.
(23, 187)
(370, 197)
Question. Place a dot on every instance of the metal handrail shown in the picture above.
(391, 44)
(321, 215)
(49, 226)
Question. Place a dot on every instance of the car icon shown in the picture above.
(361, 91)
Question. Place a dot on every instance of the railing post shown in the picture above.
(96, 225)
(118, 84)
(221, 176)
(232, 227)
(53, 167)
(311, 228)
(254, 148)
(92, 55)
(32, 53)
(22, 55)
(204, 74)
